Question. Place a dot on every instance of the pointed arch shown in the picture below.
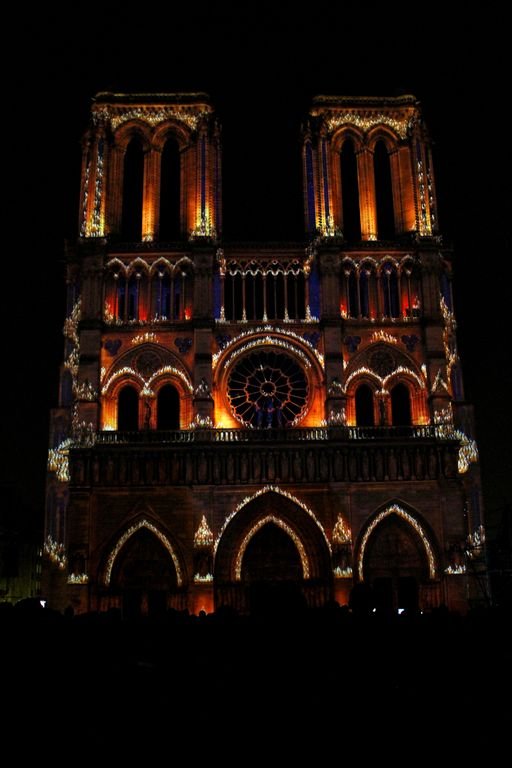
(382, 133)
(345, 133)
(401, 406)
(132, 189)
(171, 129)
(167, 406)
(390, 288)
(408, 517)
(350, 193)
(132, 128)
(261, 492)
(284, 527)
(384, 189)
(128, 533)
(271, 515)
(364, 405)
(127, 408)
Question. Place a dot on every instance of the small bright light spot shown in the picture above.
(400, 611)
(42, 603)
(374, 610)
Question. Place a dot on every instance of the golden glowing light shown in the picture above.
(146, 338)
(146, 383)
(367, 120)
(468, 450)
(286, 528)
(341, 532)
(381, 335)
(261, 492)
(269, 340)
(342, 573)
(395, 509)
(203, 537)
(116, 115)
(384, 381)
(128, 534)
(201, 422)
(455, 570)
(71, 322)
(58, 460)
(78, 578)
(55, 551)
(206, 579)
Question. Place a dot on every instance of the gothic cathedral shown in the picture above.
(245, 425)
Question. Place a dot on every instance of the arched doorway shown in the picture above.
(364, 406)
(401, 406)
(144, 575)
(272, 571)
(272, 557)
(128, 409)
(168, 408)
(395, 565)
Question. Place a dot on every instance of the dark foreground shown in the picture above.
(316, 688)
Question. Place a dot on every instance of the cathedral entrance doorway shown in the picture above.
(144, 576)
(272, 559)
(395, 565)
(272, 572)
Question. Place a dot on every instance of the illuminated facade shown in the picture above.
(260, 424)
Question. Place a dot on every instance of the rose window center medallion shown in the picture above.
(268, 389)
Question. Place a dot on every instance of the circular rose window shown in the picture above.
(268, 389)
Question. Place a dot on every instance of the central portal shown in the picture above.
(272, 572)
(272, 558)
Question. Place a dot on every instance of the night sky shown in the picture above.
(261, 67)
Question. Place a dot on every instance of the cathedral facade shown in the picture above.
(251, 425)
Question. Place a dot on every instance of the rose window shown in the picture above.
(268, 389)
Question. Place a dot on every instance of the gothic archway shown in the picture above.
(396, 558)
(272, 556)
(168, 408)
(128, 409)
(144, 572)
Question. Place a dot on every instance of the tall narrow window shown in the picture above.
(258, 293)
(170, 192)
(133, 176)
(168, 408)
(161, 294)
(275, 295)
(250, 296)
(410, 291)
(115, 287)
(364, 406)
(389, 287)
(128, 410)
(296, 295)
(233, 296)
(352, 294)
(383, 193)
(401, 406)
(121, 297)
(134, 285)
(310, 186)
(364, 292)
(350, 192)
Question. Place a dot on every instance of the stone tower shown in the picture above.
(260, 425)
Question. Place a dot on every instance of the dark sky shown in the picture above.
(261, 66)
